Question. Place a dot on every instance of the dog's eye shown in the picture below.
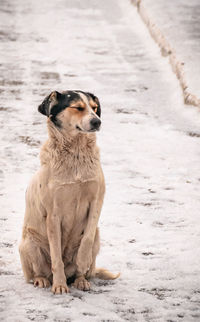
(94, 109)
(80, 108)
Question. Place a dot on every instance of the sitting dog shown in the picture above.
(60, 238)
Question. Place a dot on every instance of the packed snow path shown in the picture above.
(150, 153)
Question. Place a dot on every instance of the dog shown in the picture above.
(60, 238)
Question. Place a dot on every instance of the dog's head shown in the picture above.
(75, 110)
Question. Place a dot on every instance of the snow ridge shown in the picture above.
(167, 50)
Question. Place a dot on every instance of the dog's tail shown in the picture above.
(104, 274)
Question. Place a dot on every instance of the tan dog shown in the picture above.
(64, 199)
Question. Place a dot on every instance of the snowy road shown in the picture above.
(150, 153)
(179, 22)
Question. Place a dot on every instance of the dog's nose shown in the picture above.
(95, 123)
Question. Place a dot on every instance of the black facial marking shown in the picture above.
(64, 101)
(61, 102)
(96, 100)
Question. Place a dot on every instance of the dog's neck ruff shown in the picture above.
(71, 158)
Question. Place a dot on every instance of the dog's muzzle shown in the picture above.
(95, 124)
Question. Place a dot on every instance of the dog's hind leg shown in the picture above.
(26, 261)
(100, 273)
(34, 263)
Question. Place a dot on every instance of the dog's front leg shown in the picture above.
(84, 257)
(54, 237)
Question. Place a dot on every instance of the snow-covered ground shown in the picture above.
(150, 153)
(179, 22)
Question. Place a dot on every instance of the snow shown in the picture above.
(149, 150)
(179, 22)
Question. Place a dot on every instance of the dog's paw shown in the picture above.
(41, 282)
(81, 284)
(59, 289)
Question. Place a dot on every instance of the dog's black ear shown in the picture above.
(44, 108)
(96, 100)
